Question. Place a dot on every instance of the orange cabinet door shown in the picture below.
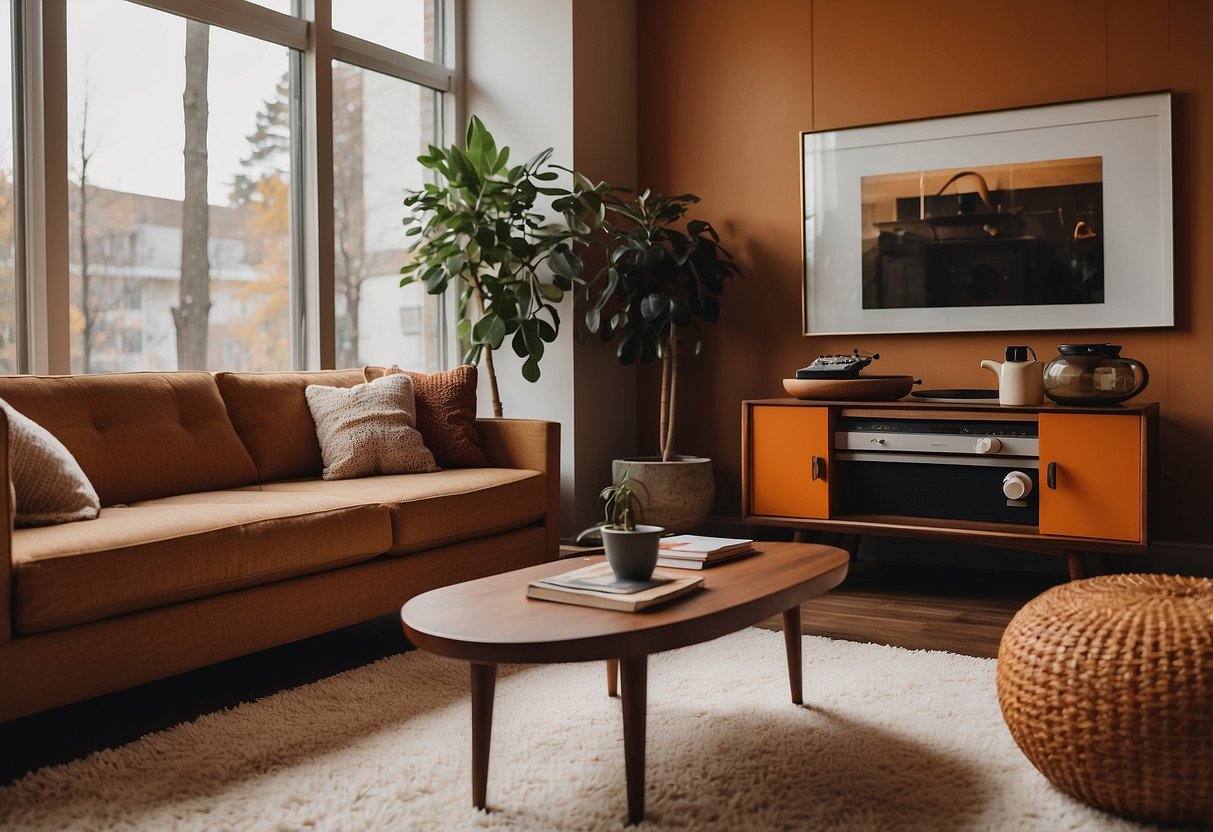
(789, 449)
(1096, 474)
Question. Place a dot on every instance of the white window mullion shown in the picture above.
(44, 186)
(319, 295)
(381, 59)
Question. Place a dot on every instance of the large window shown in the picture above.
(179, 191)
(193, 179)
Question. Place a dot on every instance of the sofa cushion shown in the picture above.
(443, 507)
(138, 436)
(446, 413)
(158, 552)
(49, 486)
(270, 413)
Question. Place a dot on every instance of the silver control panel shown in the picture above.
(992, 439)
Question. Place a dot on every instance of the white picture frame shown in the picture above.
(1132, 137)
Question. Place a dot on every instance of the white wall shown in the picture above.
(522, 80)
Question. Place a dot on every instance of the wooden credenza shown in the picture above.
(810, 465)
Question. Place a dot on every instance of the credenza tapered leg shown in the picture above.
(612, 677)
(484, 685)
(635, 680)
(792, 644)
(1077, 564)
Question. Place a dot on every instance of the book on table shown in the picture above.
(596, 586)
(693, 551)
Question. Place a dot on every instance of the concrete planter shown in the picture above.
(679, 492)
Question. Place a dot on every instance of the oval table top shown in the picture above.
(490, 620)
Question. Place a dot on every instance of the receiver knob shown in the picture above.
(1016, 485)
(988, 445)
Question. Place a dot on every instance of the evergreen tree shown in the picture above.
(269, 146)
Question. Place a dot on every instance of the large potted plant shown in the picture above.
(480, 225)
(663, 279)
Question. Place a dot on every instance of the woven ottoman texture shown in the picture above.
(1107, 687)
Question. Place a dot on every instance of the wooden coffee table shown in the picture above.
(490, 621)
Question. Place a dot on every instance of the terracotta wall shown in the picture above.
(725, 88)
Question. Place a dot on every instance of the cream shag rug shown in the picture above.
(889, 739)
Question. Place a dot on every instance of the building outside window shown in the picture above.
(187, 150)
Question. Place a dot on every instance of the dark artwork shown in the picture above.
(1036, 245)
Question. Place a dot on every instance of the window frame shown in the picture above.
(41, 163)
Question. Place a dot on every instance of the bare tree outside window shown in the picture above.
(192, 313)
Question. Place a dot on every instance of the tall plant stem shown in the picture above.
(488, 356)
(669, 390)
(488, 365)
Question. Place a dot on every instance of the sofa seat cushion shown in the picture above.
(157, 552)
(441, 507)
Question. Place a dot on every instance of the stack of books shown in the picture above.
(693, 551)
(597, 586)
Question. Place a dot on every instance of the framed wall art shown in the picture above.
(1055, 217)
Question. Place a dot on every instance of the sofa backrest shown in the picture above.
(138, 436)
(271, 416)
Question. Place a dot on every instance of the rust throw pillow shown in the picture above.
(446, 413)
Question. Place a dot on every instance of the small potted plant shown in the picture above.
(631, 547)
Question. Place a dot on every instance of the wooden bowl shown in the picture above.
(860, 388)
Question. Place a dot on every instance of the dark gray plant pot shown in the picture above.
(632, 555)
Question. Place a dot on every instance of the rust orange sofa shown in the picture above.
(217, 536)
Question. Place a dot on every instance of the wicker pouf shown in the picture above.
(1107, 687)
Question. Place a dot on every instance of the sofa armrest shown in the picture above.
(533, 444)
(7, 509)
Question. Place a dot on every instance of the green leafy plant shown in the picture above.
(662, 280)
(621, 505)
(481, 227)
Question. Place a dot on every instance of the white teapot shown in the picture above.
(1020, 381)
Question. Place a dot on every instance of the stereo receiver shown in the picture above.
(950, 469)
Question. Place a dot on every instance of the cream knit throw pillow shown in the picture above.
(50, 485)
(369, 429)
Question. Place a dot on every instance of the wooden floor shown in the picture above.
(922, 607)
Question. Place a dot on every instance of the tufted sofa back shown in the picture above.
(138, 436)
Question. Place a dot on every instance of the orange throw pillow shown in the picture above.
(446, 413)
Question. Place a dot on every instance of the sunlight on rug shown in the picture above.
(888, 739)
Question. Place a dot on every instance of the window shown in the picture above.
(380, 125)
(193, 240)
(174, 133)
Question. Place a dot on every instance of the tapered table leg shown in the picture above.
(1077, 565)
(484, 685)
(612, 677)
(635, 679)
(792, 643)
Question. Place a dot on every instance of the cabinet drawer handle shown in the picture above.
(818, 468)
(1051, 475)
